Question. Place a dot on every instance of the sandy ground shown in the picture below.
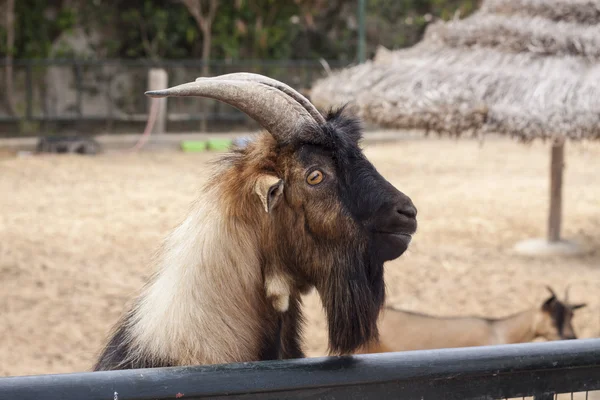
(77, 234)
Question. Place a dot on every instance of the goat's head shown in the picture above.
(326, 217)
(556, 320)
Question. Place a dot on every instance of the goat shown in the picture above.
(403, 330)
(299, 206)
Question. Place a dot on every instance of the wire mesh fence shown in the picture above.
(109, 96)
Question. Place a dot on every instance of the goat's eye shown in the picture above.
(314, 178)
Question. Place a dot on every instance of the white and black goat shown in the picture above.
(300, 207)
(404, 330)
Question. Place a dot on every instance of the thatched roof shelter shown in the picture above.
(525, 68)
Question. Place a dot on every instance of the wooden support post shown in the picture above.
(157, 79)
(553, 244)
(556, 180)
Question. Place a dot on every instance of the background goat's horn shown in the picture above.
(567, 294)
(268, 102)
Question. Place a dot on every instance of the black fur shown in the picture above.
(557, 311)
(354, 292)
(291, 322)
(284, 341)
(360, 291)
(117, 355)
(561, 314)
(272, 342)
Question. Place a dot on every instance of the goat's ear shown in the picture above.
(577, 306)
(269, 189)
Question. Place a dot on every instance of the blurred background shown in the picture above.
(73, 65)
(484, 113)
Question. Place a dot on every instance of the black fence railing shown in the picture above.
(107, 95)
(541, 370)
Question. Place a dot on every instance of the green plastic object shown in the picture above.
(194, 146)
(219, 144)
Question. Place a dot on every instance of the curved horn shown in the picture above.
(566, 301)
(247, 76)
(551, 291)
(269, 105)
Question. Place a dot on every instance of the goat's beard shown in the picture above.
(353, 295)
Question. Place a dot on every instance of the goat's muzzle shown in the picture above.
(394, 226)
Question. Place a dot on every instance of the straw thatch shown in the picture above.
(524, 76)
(579, 11)
(485, 59)
(519, 34)
(562, 103)
(430, 110)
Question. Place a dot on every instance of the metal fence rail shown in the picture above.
(493, 372)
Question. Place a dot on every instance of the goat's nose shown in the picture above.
(407, 209)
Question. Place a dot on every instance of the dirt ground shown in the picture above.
(77, 234)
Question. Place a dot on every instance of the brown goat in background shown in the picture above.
(404, 330)
(300, 207)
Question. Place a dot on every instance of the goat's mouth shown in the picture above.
(391, 245)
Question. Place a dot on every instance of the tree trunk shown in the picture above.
(206, 46)
(158, 79)
(8, 68)
(556, 180)
(204, 22)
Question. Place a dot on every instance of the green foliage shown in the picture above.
(242, 29)
(37, 25)
(254, 29)
(153, 31)
(140, 28)
(401, 23)
(445, 9)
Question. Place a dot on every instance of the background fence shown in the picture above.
(495, 372)
(108, 96)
